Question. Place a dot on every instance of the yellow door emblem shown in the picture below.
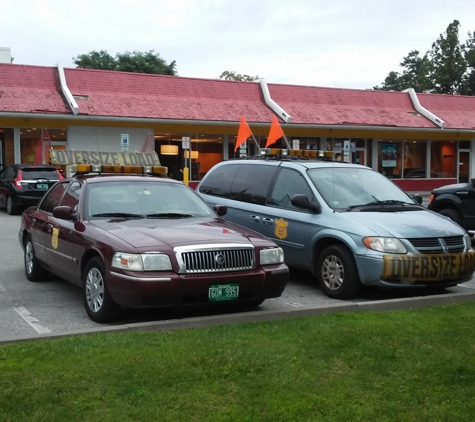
(281, 228)
(54, 238)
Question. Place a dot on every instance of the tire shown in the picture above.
(33, 269)
(98, 303)
(337, 273)
(12, 209)
(453, 214)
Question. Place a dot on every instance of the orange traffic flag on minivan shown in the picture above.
(244, 132)
(275, 132)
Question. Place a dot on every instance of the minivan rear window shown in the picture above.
(252, 182)
(218, 181)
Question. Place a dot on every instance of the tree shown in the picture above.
(137, 62)
(231, 75)
(468, 81)
(448, 61)
(415, 75)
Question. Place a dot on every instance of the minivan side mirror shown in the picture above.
(302, 201)
(220, 209)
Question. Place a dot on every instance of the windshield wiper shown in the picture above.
(385, 202)
(169, 215)
(118, 214)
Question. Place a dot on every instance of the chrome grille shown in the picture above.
(438, 245)
(215, 260)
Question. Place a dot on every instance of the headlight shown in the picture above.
(468, 241)
(272, 256)
(384, 244)
(141, 262)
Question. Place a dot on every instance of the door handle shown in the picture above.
(49, 227)
(255, 218)
(268, 221)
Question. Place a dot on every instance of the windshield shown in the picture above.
(353, 186)
(143, 199)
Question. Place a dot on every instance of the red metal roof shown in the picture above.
(337, 106)
(30, 89)
(457, 111)
(36, 89)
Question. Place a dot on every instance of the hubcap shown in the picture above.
(29, 256)
(94, 290)
(333, 272)
(9, 205)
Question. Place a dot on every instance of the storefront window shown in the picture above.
(390, 158)
(443, 159)
(415, 159)
(29, 141)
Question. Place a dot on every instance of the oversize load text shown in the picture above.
(428, 267)
(64, 157)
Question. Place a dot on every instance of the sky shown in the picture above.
(331, 43)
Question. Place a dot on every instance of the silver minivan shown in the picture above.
(346, 223)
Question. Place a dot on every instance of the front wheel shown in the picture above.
(33, 269)
(454, 215)
(337, 273)
(98, 302)
(12, 209)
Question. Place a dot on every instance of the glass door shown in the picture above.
(464, 166)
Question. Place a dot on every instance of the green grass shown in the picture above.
(414, 365)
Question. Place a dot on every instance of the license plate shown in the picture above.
(42, 186)
(220, 292)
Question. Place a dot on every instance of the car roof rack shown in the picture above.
(292, 154)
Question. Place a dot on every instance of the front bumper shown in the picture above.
(168, 289)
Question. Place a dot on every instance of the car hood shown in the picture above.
(146, 233)
(451, 188)
(405, 224)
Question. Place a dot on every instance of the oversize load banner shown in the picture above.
(65, 157)
(429, 267)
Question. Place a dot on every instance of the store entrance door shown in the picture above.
(464, 166)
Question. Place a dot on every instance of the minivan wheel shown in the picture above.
(98, 302)
(11, 207)
(337, 273)
(454, 215)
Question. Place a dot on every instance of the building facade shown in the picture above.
(421, 141)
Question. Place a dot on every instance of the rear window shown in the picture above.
(36, 174)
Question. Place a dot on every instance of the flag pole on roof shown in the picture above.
(275, 133)
(244, 132)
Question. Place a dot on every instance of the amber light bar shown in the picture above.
(92, 168)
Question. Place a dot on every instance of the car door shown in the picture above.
(6, 178)
(42, 225)
(64, 236)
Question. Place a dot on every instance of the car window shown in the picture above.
(71, 197)
(8, 174)
(36, 174)
(289, 183)
(252, 182)
(218, 182)
(53, 197)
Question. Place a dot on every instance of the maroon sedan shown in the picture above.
(142, 241)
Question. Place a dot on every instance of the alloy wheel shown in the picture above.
(333, 272)
(94, 290)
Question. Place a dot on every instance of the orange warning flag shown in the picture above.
(244, 132)
(275, 132)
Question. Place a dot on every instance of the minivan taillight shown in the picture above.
(17, 180)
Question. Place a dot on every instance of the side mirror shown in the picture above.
(418, 198)
(301, 201)
(220, 209)
(64, 213)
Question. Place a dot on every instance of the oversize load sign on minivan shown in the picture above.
(65, 157)
(429, 267)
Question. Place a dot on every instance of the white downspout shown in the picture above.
(423, 111)
(66, 92)
(271, 103)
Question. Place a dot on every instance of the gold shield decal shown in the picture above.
(281, 228)
(54, 238)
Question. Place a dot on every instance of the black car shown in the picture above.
(456, 201)
(23, 185)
